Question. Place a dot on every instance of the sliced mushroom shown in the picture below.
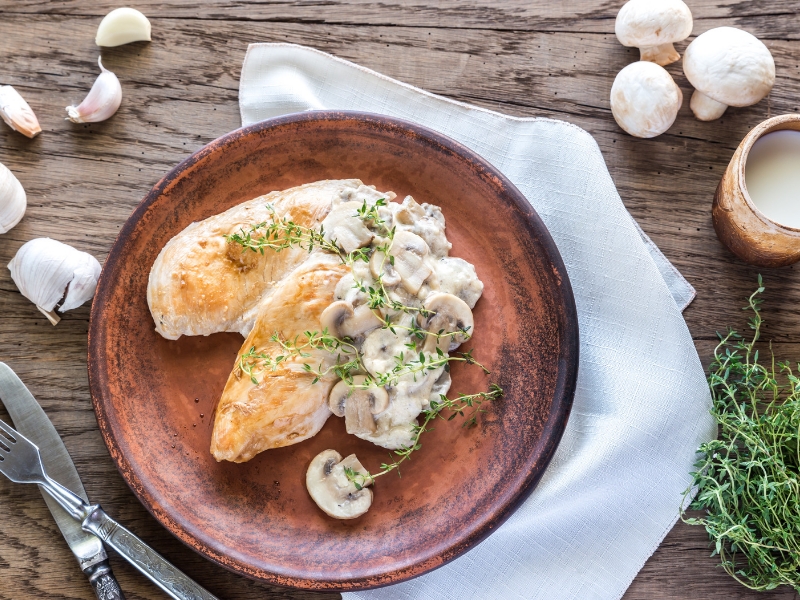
(408, 254)
(458, 277)
(379, 350)
(332, 491)
(345, 228)
(440, 387)
(357, 404)
(342, 320)
(451, 315)
(409, 211)
(379, 265)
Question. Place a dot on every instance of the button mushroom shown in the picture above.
(358, 404)
(329, 487)
(343, 321)
(645, 99)
(408, 252)
(727, 67)
(345, 228)
(451, 315)
(653, 26)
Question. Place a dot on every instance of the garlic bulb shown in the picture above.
(46, 271)
(103, 100)
(13, 201)
(17, 113)
(123, 26)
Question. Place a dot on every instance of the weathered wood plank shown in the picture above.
(181, 92)
(766, 19)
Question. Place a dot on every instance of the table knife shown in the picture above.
(33, 423)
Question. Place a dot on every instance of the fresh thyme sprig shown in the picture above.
(279, 234)
(748, 480)
(457, 407)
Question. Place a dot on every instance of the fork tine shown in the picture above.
(10, 432)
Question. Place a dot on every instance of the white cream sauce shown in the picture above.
(380, 347)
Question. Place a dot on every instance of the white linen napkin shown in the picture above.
(613, 489)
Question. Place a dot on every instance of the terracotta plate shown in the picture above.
(154, 398)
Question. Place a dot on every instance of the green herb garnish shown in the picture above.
(280, 234)
(748, 480)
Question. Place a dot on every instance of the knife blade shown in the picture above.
(30, 420)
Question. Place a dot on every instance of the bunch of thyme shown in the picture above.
(748, 480)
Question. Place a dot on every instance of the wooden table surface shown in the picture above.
(521, 57)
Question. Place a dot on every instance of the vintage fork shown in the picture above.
(21, 462)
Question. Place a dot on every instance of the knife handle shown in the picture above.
(149, 562)
(103, 581)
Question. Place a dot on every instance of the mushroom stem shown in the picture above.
(663, 54)
(705, 108)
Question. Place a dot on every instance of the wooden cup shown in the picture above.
(740, 225)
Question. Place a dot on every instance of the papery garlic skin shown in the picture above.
(13, 200)
(46, 271)
(123, 26)
(103, 100)
(17, 113)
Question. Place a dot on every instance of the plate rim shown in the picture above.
(552, 431)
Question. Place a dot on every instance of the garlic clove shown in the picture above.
(13, 201)
(46, 271)
(123, 26)
(103, 100)
(17, 113)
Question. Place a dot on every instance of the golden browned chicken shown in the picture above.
(285, 407)
(200, 284)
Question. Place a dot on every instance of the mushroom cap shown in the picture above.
(648, 23)
(730, 66)
(330, 489)
(451, 315)
(377, 398)
(644, 99)
(341, 320)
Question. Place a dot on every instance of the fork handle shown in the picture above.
(149, 562)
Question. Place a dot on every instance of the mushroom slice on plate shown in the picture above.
(381, 266)
(357, 404)
(329, 487)
(408, 254)
(451, 315)
(342, 320)
(345, 228)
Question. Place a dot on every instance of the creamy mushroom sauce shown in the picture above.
(413, 392)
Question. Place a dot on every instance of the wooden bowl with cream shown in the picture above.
(761, 224)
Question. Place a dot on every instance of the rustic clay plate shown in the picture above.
(154, 398)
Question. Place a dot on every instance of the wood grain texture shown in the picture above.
(521, 57)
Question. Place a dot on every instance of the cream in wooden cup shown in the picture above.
(761, 223)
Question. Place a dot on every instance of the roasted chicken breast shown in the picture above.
(286, 407)
(201, 284)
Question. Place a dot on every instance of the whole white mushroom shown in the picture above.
(645, 99)
(653, 26)
(727, 67)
